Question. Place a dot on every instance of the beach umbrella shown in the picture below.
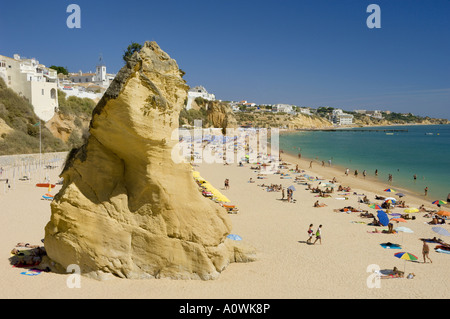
(400, 194)
(403, 229)
(439, 202)
(234, 237)
(406, 256)
(443, 213)
(383, 218)
(291, 188)
(375, 206)
(441, 231)
(390, 198)
(390, 190)
(411, 210)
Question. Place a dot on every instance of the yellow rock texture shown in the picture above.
(126, 208)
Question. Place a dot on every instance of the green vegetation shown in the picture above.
(60, 69)
(18, 113)
(189, 116)
(133, 47)
(75, 105)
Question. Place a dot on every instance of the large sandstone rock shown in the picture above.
(125, 207)
(220, 115)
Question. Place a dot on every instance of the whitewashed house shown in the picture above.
(33, 81)
(198, 91)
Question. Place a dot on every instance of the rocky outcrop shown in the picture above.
(126, 208)
(63, 126)
(220, 115)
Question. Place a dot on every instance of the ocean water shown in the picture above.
(423, 150)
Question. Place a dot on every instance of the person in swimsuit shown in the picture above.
(319, 235)
(425, 252)
(310, 233)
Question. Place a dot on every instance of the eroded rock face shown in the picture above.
(125, 207)
(221, 115)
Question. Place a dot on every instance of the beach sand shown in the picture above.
(286, 267)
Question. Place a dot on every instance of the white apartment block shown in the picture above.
(198, 91)
(33, 81)
(340, 118)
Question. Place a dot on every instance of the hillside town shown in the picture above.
(40, 85)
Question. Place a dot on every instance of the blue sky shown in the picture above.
(303, 52)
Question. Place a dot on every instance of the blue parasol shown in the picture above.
(383, 218)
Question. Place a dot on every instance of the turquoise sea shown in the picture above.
(423, 150)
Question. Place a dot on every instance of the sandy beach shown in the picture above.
(286, 266)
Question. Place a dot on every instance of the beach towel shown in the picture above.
(390, 246)
(386, 274)
(31, 272)
(439, 250)
(341, 198)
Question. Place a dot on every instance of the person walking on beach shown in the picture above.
(346, 171)
(319, 235)
(310, 234)
(390, 178)
(323, 163)
(425, 252)
(356, 173)
(310, 164)
(426, 191)
(227, 184)
(364, 174)
(282, 194)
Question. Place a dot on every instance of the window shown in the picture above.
(53, 93)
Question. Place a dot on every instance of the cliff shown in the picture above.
(126, 207)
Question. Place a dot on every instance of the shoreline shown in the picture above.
(333, 128)
(369, 184)
(405, 185)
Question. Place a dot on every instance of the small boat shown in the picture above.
(389, 133)
(45, 185)
(428, 133)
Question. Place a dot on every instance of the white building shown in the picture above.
(340, 118)
(285, 108)
(33, 81)
(198, 91)
(100, 77)
(375, 114)
(305, 110)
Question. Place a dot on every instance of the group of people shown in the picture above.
(311, 233)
